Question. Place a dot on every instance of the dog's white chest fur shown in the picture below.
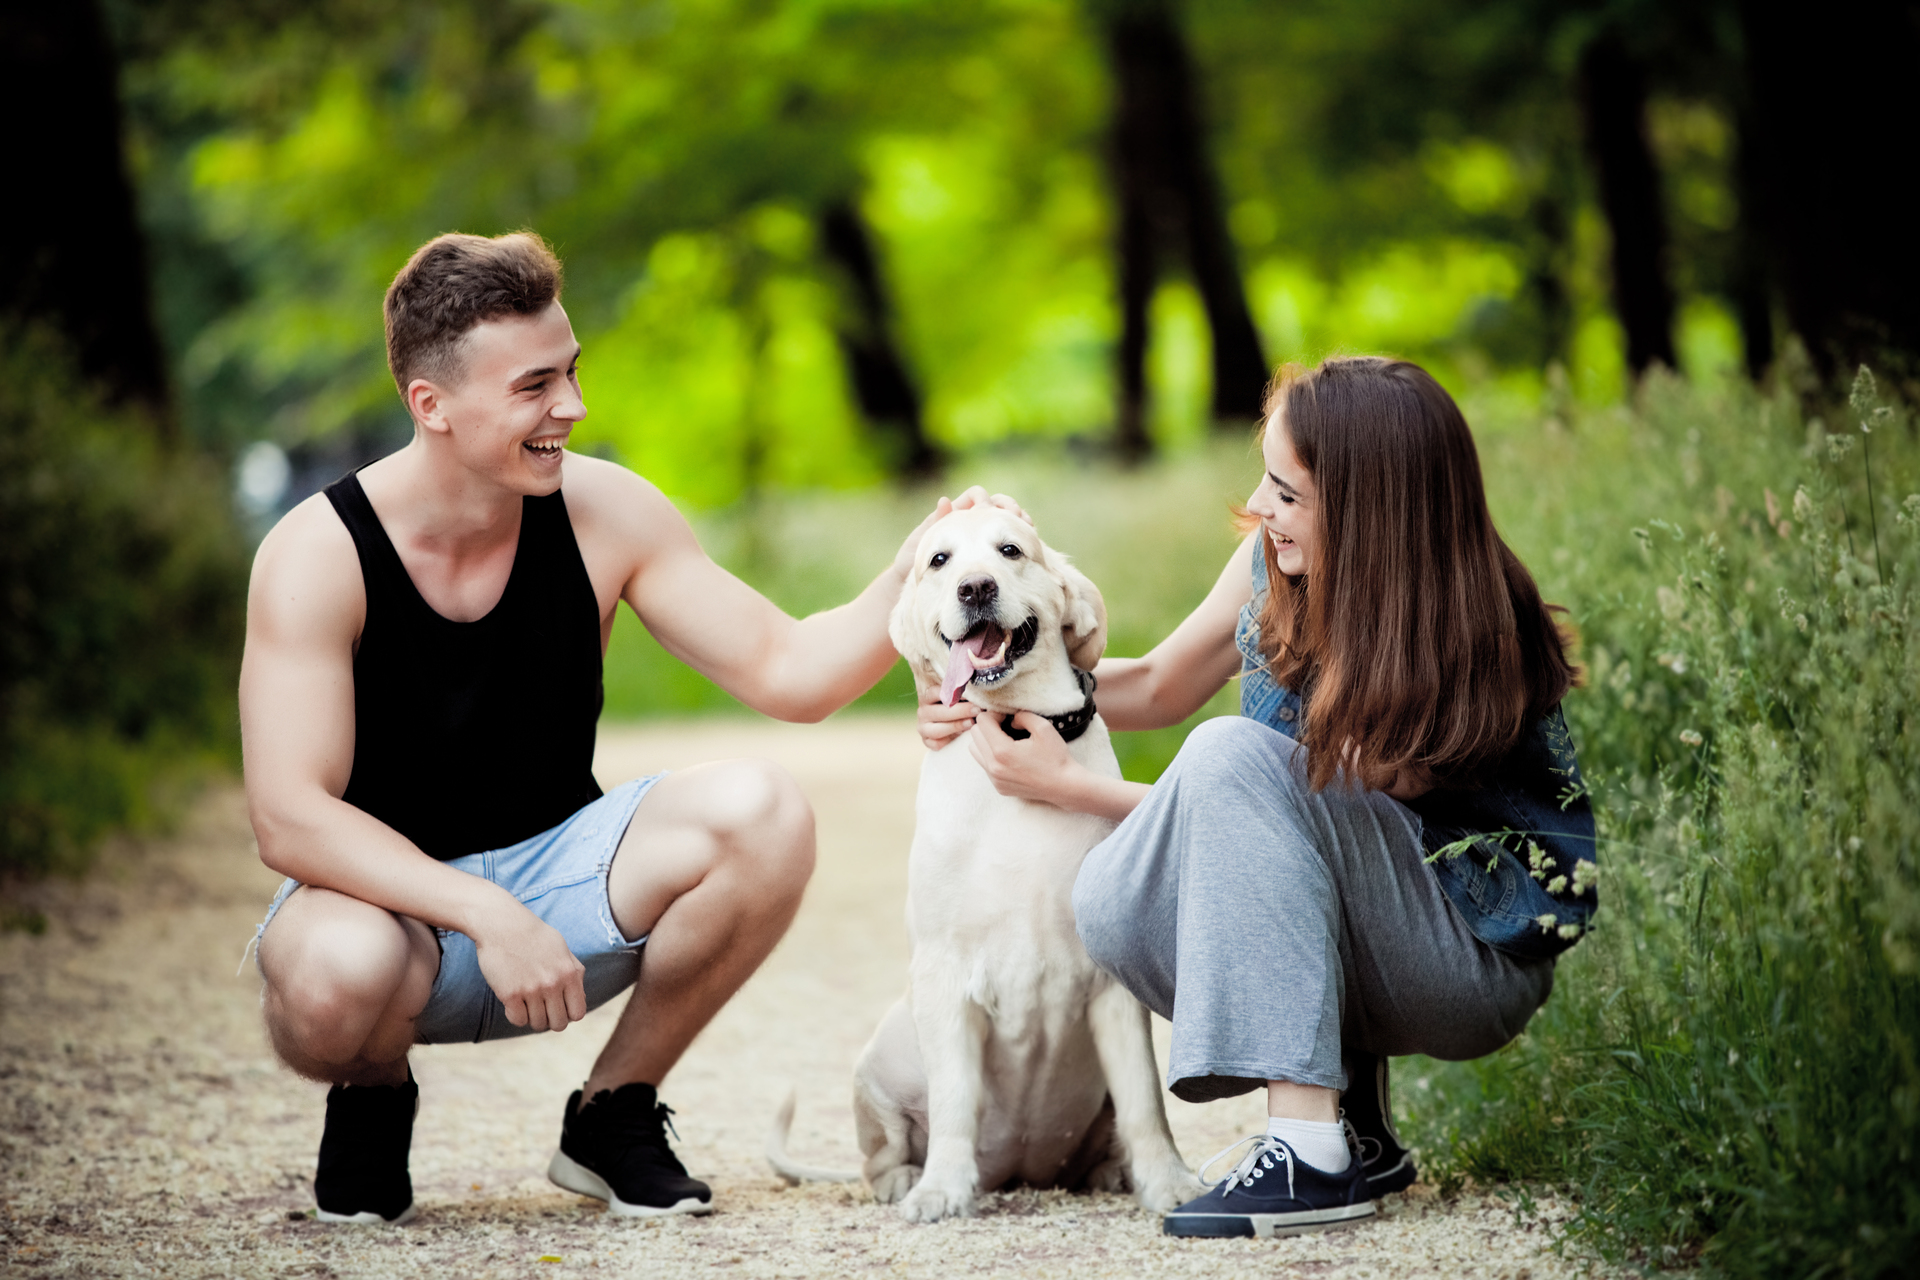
(990, 867)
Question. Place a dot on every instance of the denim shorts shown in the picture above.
(561, 876)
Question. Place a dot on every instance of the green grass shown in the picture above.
(1727, 1075)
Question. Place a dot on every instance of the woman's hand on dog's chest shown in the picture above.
(1037, 767)
(940, 724)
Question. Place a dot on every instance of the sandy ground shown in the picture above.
(145, 1129)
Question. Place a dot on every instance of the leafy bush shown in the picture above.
(122, 580)
(1729, 1065)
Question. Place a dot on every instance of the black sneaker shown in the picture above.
(1367, 1105)
(614, 1148)
(362, 1176)
(1273, 1192)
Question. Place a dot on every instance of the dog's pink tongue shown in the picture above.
(959, 670)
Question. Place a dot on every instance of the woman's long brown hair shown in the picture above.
(1418, 635)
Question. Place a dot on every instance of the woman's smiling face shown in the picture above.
(1284, 502)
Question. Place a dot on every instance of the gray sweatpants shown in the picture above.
(1272, 926)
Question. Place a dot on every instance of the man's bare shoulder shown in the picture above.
(306, 576)
(611, 506)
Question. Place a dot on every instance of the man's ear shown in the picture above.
(1083, 624)
(424, 402)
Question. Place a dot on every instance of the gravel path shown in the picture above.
(145, 1129)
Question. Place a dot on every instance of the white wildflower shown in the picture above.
(1586, 874)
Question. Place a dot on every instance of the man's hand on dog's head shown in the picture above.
(973, 497)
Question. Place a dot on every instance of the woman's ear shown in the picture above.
(1083, 623)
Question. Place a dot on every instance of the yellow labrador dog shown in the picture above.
(1011, 1059)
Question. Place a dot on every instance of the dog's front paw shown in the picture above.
(937, 1197)
(1165, 1186)
(892, 1186)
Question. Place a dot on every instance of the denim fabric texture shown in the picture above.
(1528, 814)
(561, 876)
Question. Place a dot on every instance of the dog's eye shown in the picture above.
(1010, 551)
(939, 558)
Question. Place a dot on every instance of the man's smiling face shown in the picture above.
(511, 412)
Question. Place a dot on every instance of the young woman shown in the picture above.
(1385, 850)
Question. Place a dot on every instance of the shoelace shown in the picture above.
(1268, 1153)
(1361, 1144)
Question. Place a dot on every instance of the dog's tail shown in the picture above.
(791, 1173)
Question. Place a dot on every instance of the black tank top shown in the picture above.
(475, 735)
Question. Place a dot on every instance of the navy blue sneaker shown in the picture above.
(1273, 1192)
(1367, 1105)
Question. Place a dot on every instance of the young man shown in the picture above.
(418, 702)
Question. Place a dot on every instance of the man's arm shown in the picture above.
(791, 669)
(305, 608)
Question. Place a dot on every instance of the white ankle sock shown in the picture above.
(1321, 1144)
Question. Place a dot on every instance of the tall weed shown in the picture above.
(1728, 1068)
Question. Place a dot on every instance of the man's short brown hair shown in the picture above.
(454, 282)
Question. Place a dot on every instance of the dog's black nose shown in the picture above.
(978, 592)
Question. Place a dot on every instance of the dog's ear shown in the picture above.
(909, 640)
(900, 628)
(1083, 623)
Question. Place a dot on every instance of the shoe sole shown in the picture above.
(367, 1217)
(564, 1171)
(1264, 1225)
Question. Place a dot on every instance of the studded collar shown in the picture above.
(1070, 725)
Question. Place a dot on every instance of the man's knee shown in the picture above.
(332, 965)
(763, 818)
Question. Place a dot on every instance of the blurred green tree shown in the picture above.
(817, 243)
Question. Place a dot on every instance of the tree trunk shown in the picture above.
(1834, 101)
(1169, 207)
(1614, 98)
(1545, 285)
(887, 397)
(75, 257)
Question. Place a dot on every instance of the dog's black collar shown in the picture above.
(1073, 723)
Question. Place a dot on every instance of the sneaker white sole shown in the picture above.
(367, 1218)
(1268, 1225)
(564, 1171)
